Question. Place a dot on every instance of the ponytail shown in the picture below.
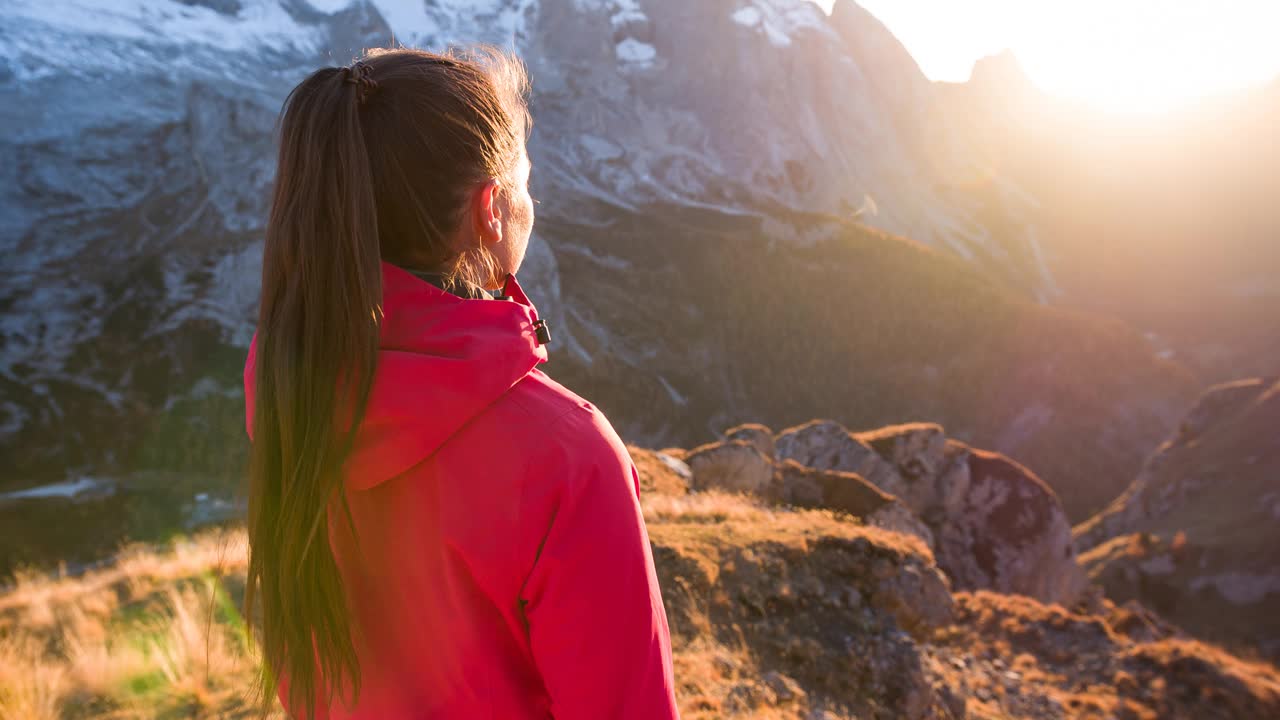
(318, 327)
(376, 162)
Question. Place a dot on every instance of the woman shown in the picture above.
(437, 528)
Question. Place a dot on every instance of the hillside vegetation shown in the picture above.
(820, 317)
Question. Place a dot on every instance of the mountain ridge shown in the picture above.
(140, 186)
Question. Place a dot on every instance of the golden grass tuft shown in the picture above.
(31, 686)
(153, 635)
(705, 507)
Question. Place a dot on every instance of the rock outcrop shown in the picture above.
(995, 525)
(1197, 534)
(756, 434)
(1010, 533)
(845, 492)
(827, 445)
(733, 465)
(745, 462)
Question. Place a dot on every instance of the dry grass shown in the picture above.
(155, 635)
(716, 515)
(31, 687)
(705, 507)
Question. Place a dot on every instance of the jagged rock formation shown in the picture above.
(994, 523)
(1197, 534)
(745, 462)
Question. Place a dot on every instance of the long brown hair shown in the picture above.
(375, 163)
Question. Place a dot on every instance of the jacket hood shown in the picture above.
(442, 360)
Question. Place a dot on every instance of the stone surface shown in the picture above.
(827, 445)
(754, 433)
(845, 492)
(1009, 534)
(735, 465)
(993, 524)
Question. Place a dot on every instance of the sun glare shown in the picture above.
(1121, 55)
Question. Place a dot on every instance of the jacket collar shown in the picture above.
(442, 360)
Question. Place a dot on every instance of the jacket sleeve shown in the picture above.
(597, 625)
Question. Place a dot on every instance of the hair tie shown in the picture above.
(360, 75)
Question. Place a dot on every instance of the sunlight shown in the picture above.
(1123, 55)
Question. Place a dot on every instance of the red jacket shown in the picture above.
(504, 570)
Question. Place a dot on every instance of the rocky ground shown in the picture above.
(844, 619)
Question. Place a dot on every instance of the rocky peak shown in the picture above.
(1002, 71)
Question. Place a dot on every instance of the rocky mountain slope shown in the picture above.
(1197, 534)
(775, 613)
(693, 246)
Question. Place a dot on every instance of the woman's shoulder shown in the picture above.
(564, 419)
(545, 401)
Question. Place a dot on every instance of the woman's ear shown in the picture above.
(487, 212)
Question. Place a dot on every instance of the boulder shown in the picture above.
(754, 433)
(991, 522)
(846, 492)
(1009, 534)
(734, 465)
(918, 451)
(827, 445)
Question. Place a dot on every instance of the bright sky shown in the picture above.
(1129, 55)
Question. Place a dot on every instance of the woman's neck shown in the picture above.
(461, 288)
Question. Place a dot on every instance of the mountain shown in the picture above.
(695, 250)
(1197, 534)
(1166, 220)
